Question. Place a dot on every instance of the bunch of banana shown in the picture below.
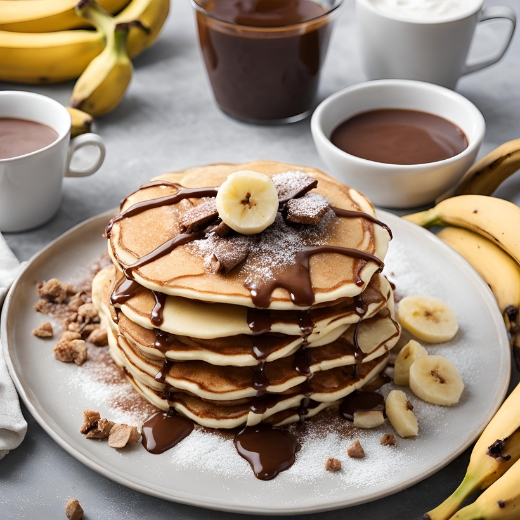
(51, 57)
(47, 15)
(81, 121)
(103, 84)
(497, 449)
(487, 236)
(488, 173)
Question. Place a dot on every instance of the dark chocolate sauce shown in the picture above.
(168, 200)
(346, 213)
(161, 376)
(380, 380)
(361, 401)
(296, 278)
(151, 184)
(123, 292)
(260, 380)
(269, 450)
(157, 311)
(163, 340)
(163, 431)
(259, 321)
(398, 136)
(162, 250)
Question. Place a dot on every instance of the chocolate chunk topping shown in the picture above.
(292, 185)
(227, 254)
(222, 230)
(309, 209)
(199, 217)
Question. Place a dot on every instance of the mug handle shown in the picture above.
(80, 142)
(494, 13)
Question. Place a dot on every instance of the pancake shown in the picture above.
(212, 415)
(184, 317)
(182, 272)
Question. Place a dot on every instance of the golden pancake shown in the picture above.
(182, 271)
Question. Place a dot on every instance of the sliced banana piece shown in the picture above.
(428, 318)
(369, 418)
(436, 380)
(247, 202)
(409, 353)
(400, 414)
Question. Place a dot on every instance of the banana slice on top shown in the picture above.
(427, 318)
(400, 414)
(409, 353)
(436, 380)
(247, 202)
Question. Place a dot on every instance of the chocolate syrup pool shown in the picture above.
(397, 136)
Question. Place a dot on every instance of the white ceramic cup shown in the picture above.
(30, 184)
(394, 185)
(393, 46)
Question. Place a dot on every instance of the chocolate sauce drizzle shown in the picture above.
(269, 450)
(361, 401)
(123, 292)
(158, 309)
(163, 430)
(168, 200)
(346, 213)
(161, 376)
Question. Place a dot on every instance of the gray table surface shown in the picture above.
(168, 121)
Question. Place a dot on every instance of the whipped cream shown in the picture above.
(426, 10)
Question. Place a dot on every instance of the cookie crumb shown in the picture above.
(69, 335)
(53, 290)
(63, 352)
(73, 510)
(44, 330)
(87, 311)
(387, 440)
(355, 450)
(90, 420)
(79, 351)
(332, 465)
(76, 302)
(98, 337)
(101, 430)
(121, 435)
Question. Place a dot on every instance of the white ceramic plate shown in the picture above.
(209, 473)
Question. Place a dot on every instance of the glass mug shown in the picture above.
(265, 74)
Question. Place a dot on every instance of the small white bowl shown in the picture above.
(395, 185)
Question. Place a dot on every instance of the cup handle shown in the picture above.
(80, 142)
(494, 13)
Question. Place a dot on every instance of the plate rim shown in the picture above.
(216, 503)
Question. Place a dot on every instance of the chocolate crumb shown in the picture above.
(227, 254)
(293, 184)
(222, 230)
(387, 440)
(73, 510)
(101, 430)
(409, 405)
(121, 435)
(332, 465)
(355, 450)
(44, 330)
(90, 420)
(199, 217)
(309, 209)
(98, 337)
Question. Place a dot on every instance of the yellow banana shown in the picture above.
(64, 55)
(497, 449)
(487, 174)
(501, 501)
(81, 121)
(103, 84)
(47, 57)
(496, 219)
(47, 15)
(496, 267)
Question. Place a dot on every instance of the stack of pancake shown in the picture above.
(192, 336)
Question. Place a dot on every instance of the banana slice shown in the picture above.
(428, 318)
(436, 380)
(409, 353)
(247, 202)
(400, 414)
(369, 419)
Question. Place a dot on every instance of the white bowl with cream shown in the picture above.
(394, 185)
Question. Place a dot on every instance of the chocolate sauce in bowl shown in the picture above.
(269, 450)
(398, 136)
(163, 430)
